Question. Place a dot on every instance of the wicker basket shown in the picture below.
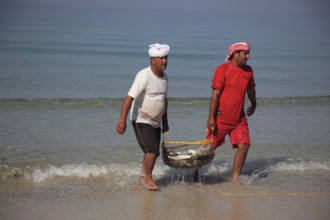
(187, 154)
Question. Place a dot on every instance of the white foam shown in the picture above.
(122, 173)
(301, 166)
(69, 170)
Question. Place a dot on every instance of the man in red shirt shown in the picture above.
(231, 82)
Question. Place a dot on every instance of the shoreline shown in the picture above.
(274, 196)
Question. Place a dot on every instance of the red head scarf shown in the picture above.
(236, 47)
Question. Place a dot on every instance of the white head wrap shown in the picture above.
(158, 50)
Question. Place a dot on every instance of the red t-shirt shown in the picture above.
(234, 83)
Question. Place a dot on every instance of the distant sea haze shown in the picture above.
(65, 52)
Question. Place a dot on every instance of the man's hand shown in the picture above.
(210, 124)
(250, 110)
(121, 127)
(165, 127)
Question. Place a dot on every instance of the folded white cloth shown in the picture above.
(158, 50)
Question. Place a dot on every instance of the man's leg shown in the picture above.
(239, 160)
(196, 175)
(148, 138)
(147, 168)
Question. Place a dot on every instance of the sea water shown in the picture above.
(64, 72)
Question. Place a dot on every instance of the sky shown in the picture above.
(234, 6)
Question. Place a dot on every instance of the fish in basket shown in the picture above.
(187, 154)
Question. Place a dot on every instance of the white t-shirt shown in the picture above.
(149, 92)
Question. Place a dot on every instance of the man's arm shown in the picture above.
(214, 103)
(121, 125)
(252, 97)
(165, 127)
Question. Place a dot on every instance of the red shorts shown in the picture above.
(238, 134)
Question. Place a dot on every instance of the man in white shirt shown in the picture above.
(147, 100)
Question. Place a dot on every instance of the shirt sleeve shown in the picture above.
(218, 81)
(138, 85)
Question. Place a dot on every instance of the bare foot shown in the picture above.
(148, 183)
(234, 180)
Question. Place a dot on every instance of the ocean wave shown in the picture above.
(123, 173)
(288, 165)
(300, 166)
(97, 102)
(69, 170)
(192, 101)
(38, 174)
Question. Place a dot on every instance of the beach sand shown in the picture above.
(98, 198)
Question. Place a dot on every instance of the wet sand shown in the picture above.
(97, 198)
